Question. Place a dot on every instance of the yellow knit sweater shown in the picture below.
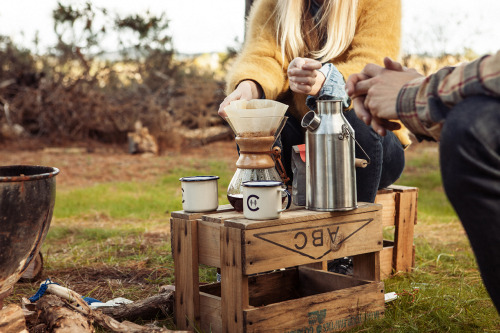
(378, 31)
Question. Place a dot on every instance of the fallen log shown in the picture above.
(204, 136)
(12, 319)
(148, 308)
(60, 319)
(126, 326)
(109, 322)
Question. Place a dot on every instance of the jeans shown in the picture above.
(386, 155)
(470, 167)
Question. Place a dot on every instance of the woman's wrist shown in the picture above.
(255, 88)
(318, 84)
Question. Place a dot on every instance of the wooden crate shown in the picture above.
(298, 300)
(399, 210)
(242, 248)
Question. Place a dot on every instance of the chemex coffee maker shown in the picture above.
(256, 124)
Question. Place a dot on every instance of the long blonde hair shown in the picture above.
(337, 19)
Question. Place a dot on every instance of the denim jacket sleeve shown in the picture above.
(333, 88)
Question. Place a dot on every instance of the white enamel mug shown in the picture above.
(262, 199)
(199, 193)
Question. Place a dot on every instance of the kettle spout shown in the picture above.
(311, 121)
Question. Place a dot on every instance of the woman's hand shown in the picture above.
(246, 90)
(304, 76)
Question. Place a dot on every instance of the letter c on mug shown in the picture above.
(252, 202)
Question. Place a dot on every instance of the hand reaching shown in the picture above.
(246, 90)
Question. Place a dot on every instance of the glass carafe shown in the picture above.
(235, 189)
(255, 161)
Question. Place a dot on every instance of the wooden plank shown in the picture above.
(367, 266)
(273, 287)
(222, 216)
(312, 241)
(388, 202)
(384, 191)
(234, 285)
(321, 265)
(386, 256)
(314, 282)
(406, 213)
(401, 188)
(335, 310)
(299, 215)
(187, 305)
(194, 216)
(211, 288)
(210, 313)
(209, 243)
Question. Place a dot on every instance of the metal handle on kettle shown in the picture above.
(345, 134)
(311, 121)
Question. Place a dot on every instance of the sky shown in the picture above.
(200, 26)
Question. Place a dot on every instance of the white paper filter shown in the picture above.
(256, 108)
(257, 117)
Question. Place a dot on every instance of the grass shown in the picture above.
(444, 293)
(137, 200)
(112, 240)
(423, 172)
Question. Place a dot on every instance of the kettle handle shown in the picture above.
(347, 133)
(311, 121)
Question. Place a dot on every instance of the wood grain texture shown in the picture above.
(324, 311)
(311, 241)
(234, 285)
(209, 243)
(388, 202)
(61, 319)
(12, 319)
(406, 216)
(187, 304)
(194, 216)
(386, 260)
(210, 313)
(291, 216)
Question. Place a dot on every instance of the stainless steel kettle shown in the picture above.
(330, 159)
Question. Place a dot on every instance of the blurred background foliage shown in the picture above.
(79, 91)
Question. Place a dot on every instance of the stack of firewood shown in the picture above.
(71, 314)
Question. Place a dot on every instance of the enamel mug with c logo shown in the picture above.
(263, 199)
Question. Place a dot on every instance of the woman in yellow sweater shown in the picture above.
(299, 50)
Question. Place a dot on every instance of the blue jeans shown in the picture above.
(386, 155)
(470, 167)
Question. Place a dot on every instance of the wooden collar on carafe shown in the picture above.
(255, 152)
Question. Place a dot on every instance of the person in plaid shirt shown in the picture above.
(460, 108)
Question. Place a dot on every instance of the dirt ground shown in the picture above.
(88, 164)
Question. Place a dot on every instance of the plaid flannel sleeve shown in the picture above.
(424, 103)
